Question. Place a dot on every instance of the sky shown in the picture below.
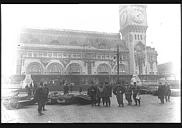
(163, 33)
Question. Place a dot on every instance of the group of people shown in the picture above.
(41, 97)
(164, 92)
(103, 92)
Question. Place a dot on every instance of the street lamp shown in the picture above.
(118, 59)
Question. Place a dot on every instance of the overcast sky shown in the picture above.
(163, 33)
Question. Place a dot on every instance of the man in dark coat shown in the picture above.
(66, 89)
(46, 93)
(39, 97)
(34, 87)
(167, 92)
(161, 92)
(108, 94)
(136, 91)
(119, 91)
(128, 94)
(92, 91)
(100, 94)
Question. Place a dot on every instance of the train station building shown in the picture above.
(74, 52)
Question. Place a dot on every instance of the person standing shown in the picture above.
(66, 89)
(71, 87)
(135, 93)
(160, 92)
(119, 91)
(46, 93)
(108, 94)
(167, 92)
(100, 92)
(34, 87)
(128, 94)
(31, 89)
(39, 97)
(92, 90)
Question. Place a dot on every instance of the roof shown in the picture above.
(77, 38)
(70, 31)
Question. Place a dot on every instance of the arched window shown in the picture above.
(74, 68)
(34, 68)
(141, 37)
(138, 37)
(103, 69)
(54, 68)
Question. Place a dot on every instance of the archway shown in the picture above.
(74, 68)
(103, 69)
(54, 68)
(34, 68)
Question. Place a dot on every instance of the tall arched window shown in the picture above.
(34, 68)
(54, 68)
(74, 68)
(103, 69)
(141, 37)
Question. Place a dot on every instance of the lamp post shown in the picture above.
(118, 63)
(117, 59)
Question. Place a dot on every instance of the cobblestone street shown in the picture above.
(149, 111)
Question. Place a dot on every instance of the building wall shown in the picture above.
(35, 58)
(86, 52)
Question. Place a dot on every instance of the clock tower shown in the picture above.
(133, 26)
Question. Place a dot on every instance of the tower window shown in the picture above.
(135, 37)
(138, 37)
(141, 37)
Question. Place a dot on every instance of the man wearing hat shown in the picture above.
(119, 91)
(108, 94)
(128, 94)
(66, 89)
(46, 93)
(136, 91)
(92, 92)
(161, 92)
(39, 97)
(100, 94)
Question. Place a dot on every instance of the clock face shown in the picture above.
(138, 16)
(123, 18)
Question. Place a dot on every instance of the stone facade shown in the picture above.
(133, 27)
(67, 52)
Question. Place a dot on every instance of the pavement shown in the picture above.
(150, 111)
